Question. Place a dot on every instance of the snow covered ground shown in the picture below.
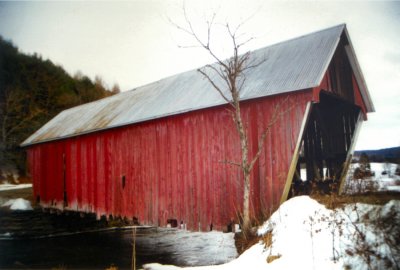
(303, 234)
(11, 186)
(11, 192)
(385, 176)
(384, 179)
(18, 204)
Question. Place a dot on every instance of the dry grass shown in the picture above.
(272, 258)
(245, 241)
(267, 239)
(334, 201)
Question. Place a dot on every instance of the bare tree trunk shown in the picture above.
(245, 162)
(246, 203)
(233, 74)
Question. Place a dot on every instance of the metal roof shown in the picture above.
(292, 65)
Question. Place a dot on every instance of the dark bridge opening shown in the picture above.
(325, 145)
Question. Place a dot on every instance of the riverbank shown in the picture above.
(44, 240)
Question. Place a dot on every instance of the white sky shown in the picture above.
(132, 43)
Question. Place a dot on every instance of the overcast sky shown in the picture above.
(132, 43)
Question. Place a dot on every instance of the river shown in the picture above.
(38, 240)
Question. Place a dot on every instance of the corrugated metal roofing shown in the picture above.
(292, 65)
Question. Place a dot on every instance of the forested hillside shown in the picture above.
(381, 155)
(32, 91)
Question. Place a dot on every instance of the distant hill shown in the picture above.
(387, 154)
(32, 91)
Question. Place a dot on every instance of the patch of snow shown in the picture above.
(6, 235)
(393, 188)
(198, 248)
(307, 235)
(11, 186)
(388, 209)
(378, 168)
(303, 173)
(379, 182)
(18, 204)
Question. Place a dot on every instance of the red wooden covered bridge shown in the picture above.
(154, 153)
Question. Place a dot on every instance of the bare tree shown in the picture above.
(228, 77)
(115, 89)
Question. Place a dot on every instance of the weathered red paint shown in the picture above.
(173, 166)
(358, 100)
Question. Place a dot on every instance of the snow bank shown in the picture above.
(307, 235)
(18, 204)
(11, 187)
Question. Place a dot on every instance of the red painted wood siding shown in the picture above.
(358, 100)
(341, 70)
(172, 166)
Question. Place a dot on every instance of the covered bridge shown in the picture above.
(154, 153)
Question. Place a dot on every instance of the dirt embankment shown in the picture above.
(43, 222)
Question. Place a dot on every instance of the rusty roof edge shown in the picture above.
(23, 144)
(33, 139)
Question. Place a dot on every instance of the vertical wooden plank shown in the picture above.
(172, 166)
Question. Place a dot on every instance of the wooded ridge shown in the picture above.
(32, 91)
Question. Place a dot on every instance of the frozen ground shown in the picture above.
(18, 204)
(99, 248)
(25, 234)
(196, 248)
(12, 187)
(12, 192)
(303, 234)
(385, 176)
(384, 179)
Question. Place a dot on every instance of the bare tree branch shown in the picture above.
(277, 113)
(219, 72)
(241, 84)
(231, 163)
(31, 116)
(209, 26)
(233, 80)
(215, 87)
(245, 42)
(189, 46)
